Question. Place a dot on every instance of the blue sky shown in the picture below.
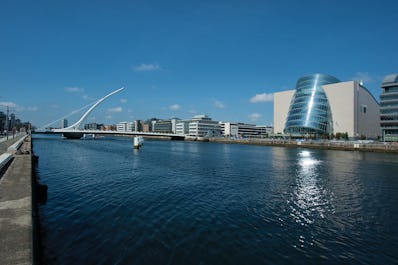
(181, 58)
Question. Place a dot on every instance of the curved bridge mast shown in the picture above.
(69, 132)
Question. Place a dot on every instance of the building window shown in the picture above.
(364, 107)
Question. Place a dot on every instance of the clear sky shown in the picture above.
(181, 58)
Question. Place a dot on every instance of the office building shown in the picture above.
(203, 125)
(146, 127)
(165, 126)
(64, 123)
(245, 130)
(91, 126)
(138, 126)
(182, 127)
(229, 129)
(389, 108)
(125, 126)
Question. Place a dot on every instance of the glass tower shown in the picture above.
(309, 111)
(389, 108)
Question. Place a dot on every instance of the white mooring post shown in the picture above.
(138, 140)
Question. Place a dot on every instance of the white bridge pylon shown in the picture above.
(76, 125)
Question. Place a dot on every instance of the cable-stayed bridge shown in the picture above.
(77, 134)
(73, 131)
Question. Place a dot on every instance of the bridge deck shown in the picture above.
(116, 133)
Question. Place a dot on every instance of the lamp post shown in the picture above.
(7, 122)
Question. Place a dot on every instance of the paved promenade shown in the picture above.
(4, 143)
(16, 226)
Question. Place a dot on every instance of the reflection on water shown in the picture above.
(205, 203)
(311, 199)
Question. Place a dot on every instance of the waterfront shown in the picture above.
(178, 202)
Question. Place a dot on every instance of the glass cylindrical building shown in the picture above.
(309, 111)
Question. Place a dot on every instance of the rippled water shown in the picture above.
(205, 203)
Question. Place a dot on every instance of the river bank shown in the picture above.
(365, 146)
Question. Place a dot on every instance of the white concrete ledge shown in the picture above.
(17, 144)
(4, 159)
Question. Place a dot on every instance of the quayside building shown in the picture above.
(323, 105)
(389, 108)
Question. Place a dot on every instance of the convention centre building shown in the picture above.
(323, 105)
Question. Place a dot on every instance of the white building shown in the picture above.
(321, 104)
(125, 126)
(182, 127)
(389, 108)
(203, 125)
(230, 129)
(165, 126)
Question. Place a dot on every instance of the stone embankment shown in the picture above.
(16, 211)
(366, 146)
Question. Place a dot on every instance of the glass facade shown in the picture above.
(389, 108)
(309, 111)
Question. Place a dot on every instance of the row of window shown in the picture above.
(302, 122)
(304, 130)
(320, 79)
(309, 91)
(388, 105)
(315, 103)
(391, 89)
(304, 109)
(314, 114)
(388, 96)
(389, 112)
(316, 122)
(390, 125)
(318, 97)
(389, 101)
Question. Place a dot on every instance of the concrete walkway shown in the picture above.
(4, 143)
(16, 226)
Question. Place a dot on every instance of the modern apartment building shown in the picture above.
(389, 108)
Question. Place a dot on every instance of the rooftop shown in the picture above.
(390, 80)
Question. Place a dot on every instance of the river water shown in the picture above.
(175, 202)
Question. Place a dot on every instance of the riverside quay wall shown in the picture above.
(366, 146)
(16, 206)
